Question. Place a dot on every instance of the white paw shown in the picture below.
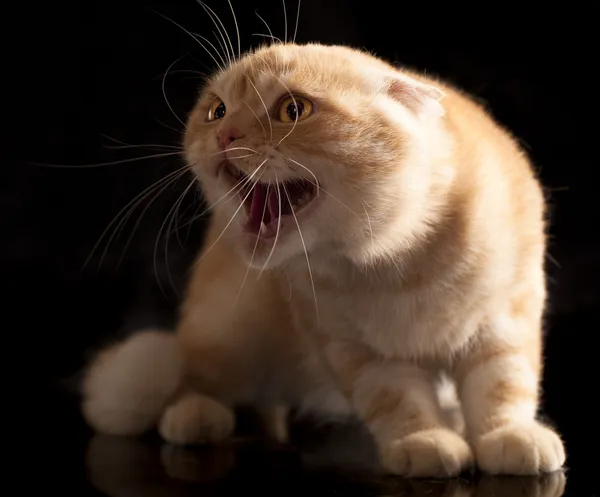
(520, 450)
(439, 452)
(196, 419)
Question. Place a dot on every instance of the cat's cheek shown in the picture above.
(212, 184)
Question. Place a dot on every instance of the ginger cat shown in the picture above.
(372, 230)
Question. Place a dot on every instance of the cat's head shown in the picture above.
(334, 139)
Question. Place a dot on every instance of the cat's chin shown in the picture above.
(265, 258)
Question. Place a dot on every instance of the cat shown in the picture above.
(372, 230)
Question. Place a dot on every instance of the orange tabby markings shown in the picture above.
(383, 403)
(505, 391)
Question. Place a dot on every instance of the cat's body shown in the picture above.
(422, 254)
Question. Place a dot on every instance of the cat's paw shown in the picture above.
(520, 450)
(435, 453)
(195, 419)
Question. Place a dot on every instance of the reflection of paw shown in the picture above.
(551, 485)
(448, 487)
(438, 452)
(122, 466)
(196, 419)
(197, 465)
(520, 450)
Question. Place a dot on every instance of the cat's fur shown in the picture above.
(426, 252)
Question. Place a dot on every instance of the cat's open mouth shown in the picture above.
(269, 205)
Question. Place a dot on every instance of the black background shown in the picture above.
(79, 73)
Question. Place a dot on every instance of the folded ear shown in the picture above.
(421, 98)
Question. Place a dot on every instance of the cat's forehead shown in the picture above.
(311, 69)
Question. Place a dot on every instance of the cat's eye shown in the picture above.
(293, 109)
(216, 110)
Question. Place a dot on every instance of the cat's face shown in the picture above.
(323, 144)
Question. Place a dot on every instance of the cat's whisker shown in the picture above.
(316, 183)
(220, 42)
(312, 282)
(238, 186)
(156, 146)
(237, 29)
(270, 37)
(123, 145)
(174, 176)
(164, 92)
(220, 38)
(191, 35)
(193, 217)
(200, 75)
(259, 121)
(112, 139)
(178, 131)
(241, 156)
(215, 18)
(121, 225)
(174, 212)
(197, 35)
(234, 214)
(268, 28)
(158, 190)
(337, 200)
(232, 149)
(170, 215)
(319, 187)
(193, 78)
(297, 19)
(370, 225)
(253, 251)
(179, 214)
(278, 192)
(210, 70)
(554, 261)
(285, 20)
(264, 106)
(297, 116)
(106, 164)
(127, 209)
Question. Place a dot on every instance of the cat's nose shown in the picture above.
(228, 135)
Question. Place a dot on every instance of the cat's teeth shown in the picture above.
(263, 228)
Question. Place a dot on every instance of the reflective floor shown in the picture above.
(326, 461)
(128, 468)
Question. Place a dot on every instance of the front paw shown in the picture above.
(435, 453)
(520, 450)
(196, 419)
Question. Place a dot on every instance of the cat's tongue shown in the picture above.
(268, 203)
(257, 207)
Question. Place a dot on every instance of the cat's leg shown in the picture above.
(498, 381)
(399, 405)
(228, 323)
